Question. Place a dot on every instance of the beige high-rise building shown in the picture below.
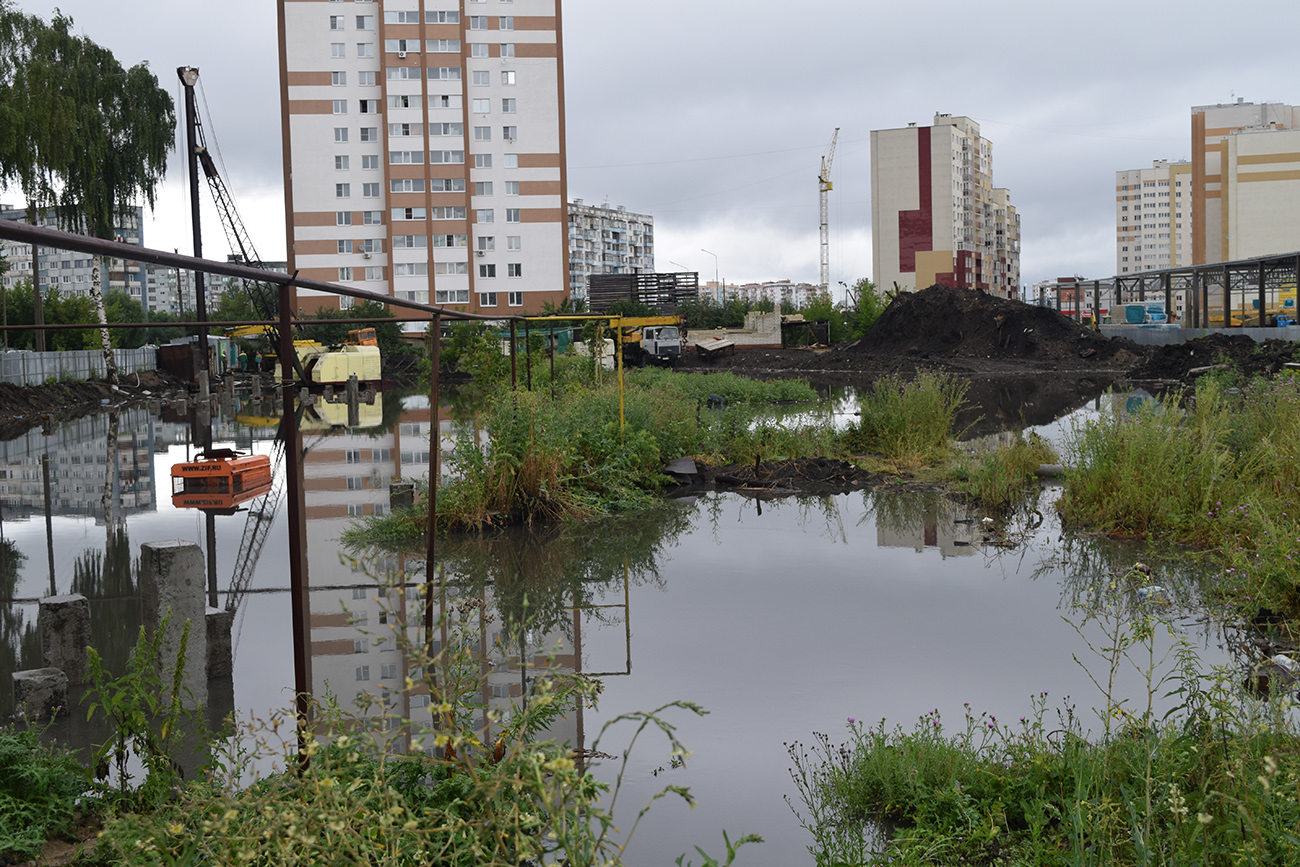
(1245, 181)
(935, 215)
(424, 153)
(1153, 221)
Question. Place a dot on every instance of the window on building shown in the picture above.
(442, 46)
(512, 161)
(342, 191)
(507, 22)
(409, 242)
(441, 17)
(403, 214)
(363, 672)
(336, 22)
(482, 133)
(482, 161)
(411, 269)
(482, 188)
(445, 100)
(507, 49)
(444, 73)
(340, 106)
(515, 269)
(451, 240)
(510, 133)
(450, 267)
(482, 78)
(487, 271)
(447, 157)
(508, 106)
(447, 185)
(401, 130)
(508, 77)
(341, 162)
(365, 49)
(512, 188)
(446, 129)
(487, 299)
(343, 218)
(401, 46)
(487, 243)
(449, 213)
(482, 106)
(478, 22)
(484, 215)
(344, 247)
(365, 22)
(370, 191)
(370, 161)
(515, 299)
(338, 79)
(374, 272)
(406, 185)
(366, 79)
(512, 215)
(478, 49)
(370, 133)
(401, 17)
(514, 242)
(345, 274)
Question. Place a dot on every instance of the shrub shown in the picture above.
(908, 423)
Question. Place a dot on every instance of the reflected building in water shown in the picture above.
(366, 616)
(926, 521)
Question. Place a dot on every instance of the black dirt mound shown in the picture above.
(1239, 352)
(942, 322)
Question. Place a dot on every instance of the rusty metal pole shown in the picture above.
(1169, 297)
(528, 355)
(513, 334)
(294, 490)
(551, 342)
(435, 471)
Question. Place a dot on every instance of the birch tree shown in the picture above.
(82, 137)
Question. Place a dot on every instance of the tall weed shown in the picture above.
(908, 422)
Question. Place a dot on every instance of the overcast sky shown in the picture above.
(713, 115)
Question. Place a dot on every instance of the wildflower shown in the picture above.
(852, 720)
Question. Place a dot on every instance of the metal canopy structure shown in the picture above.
(1238, 294)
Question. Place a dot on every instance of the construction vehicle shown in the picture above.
(650, 339)
(363, 337)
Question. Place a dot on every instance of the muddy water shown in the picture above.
(782, 618)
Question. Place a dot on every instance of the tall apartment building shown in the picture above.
(1153, 217)
(605, 240)
(935, 215)
(1245, 180)
(72, 273)
(424, 149)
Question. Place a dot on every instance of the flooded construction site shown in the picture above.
(781, 616)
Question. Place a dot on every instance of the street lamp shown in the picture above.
(717, 284)
(678, 264)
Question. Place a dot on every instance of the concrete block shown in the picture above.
(221, 659)
(64, 624)
(40, 692)
(173, 580)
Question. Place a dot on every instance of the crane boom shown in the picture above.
(824, 187)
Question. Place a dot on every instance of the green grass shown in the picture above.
(1215, 470)
(1002, 478)
(908, 422)
(1215, 780)
(40, 787)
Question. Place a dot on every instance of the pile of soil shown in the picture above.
(942, 322)
(1176, 361)
(958, 330)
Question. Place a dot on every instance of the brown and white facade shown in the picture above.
(1245, 182)
(936, 216)
(1153, 217)
(424, 151)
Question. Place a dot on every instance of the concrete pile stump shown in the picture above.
(64, 625)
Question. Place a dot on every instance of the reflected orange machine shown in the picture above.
(220, 480)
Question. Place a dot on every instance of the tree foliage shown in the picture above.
(78, 132)
(328, 330)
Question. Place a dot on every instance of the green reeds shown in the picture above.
(908, 422)
(1002, 477)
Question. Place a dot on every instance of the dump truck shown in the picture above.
(651, 340)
